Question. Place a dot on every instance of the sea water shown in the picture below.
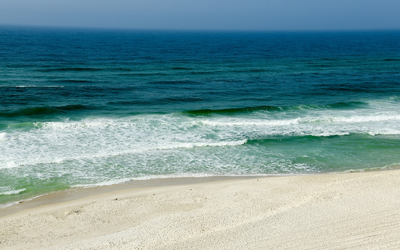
(81, 108)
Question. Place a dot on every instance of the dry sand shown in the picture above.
(335, 211)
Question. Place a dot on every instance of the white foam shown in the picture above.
(171, 176)
(360, 119)
(11, 192)
(104, 183)
(306, 119)
(384, 131)
(19, 201)
(4, 136)
(133, 148)
(106, 151)
(243, 122)
(8, 164)
(102, 138)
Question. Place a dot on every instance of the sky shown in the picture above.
(205, 14)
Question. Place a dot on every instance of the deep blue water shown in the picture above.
(96, 107)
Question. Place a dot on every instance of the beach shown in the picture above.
(145, 139)
(327, 211)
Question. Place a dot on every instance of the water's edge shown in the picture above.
(73, 194)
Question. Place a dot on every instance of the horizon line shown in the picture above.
(193, 30)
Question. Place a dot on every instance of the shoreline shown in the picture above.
(327, 211)
(77, 193)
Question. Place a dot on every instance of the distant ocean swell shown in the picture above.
(52, 110)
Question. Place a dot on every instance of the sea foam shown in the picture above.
(13, 192)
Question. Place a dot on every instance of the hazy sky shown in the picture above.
(205, 14)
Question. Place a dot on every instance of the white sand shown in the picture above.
(337, 211)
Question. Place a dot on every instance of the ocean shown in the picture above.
(85, 107)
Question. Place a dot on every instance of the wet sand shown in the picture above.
(329, 211)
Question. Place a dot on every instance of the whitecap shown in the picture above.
(4, 136)
(8, 164)
(12, 192)
(244, 122)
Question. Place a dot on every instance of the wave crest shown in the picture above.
(232, 111)
(45, 110)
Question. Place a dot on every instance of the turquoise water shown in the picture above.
(82, 108)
